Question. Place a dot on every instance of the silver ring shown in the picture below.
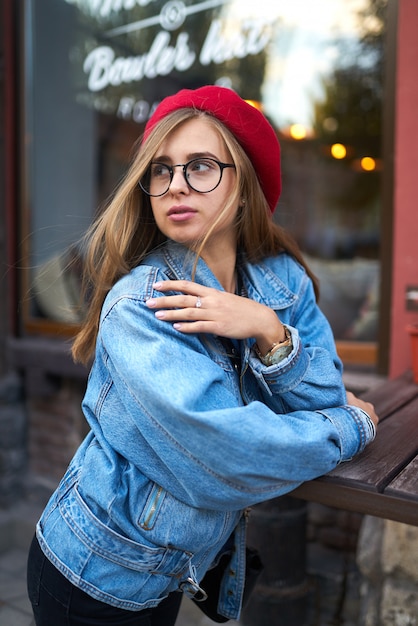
(198, 303)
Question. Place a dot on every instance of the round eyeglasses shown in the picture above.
(202, 175)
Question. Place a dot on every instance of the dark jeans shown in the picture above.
(57, 602)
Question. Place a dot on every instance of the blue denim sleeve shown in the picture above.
(311, 376)
(351, 418)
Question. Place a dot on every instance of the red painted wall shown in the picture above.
(405, 231)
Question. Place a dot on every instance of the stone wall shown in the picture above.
(38, 435)
(56, 427)
(333, 528)
(332, 537)
(388, 559)
(4, 273)
(12, 440)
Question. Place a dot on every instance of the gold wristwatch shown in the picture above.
(278, 351)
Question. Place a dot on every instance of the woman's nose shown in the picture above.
(178, 182)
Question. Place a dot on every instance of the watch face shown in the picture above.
(281, 353)
(278, 352)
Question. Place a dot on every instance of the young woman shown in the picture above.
(215, 382)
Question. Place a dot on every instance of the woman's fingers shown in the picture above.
(175, 302)
(362, 404)
(198, 309)
(184, 286)
(190, 296)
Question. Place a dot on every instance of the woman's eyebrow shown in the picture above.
(189, 157)
(197, 155)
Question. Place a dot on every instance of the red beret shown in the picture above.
(249, 126)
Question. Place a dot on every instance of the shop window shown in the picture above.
(94, 70)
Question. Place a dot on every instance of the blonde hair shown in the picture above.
(126, 231)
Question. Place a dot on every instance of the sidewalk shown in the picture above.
(15, 609)
(16, 530)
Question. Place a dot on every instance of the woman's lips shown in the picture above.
(180, 213)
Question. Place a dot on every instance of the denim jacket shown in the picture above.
(181, 443)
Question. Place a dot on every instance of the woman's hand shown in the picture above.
(366, 406)
(199, 309)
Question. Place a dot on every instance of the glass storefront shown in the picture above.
(94, 70)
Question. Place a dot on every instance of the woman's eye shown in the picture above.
(158, 170)
(201, 166)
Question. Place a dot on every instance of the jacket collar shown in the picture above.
(264, 284)
(260, 282)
